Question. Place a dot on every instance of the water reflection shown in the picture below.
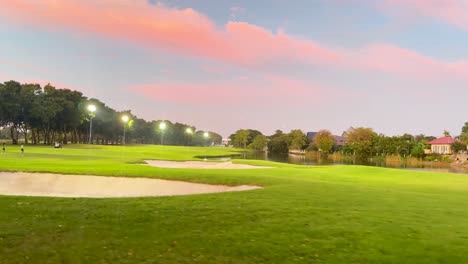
(378, 162)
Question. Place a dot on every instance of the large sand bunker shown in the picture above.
(58, 185)
(200, 165)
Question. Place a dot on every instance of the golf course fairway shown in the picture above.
(304, 214)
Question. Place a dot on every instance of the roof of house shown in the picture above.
(442, 141)
(310, 135)
(339, 140)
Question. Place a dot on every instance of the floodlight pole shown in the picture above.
(124, 134)
(90, 129)
(162, 127)
(91, 109)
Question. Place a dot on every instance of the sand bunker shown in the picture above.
(200, 165)
(58, 185)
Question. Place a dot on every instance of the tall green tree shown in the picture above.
(324, 141)
(458, 146)
(236, 142)
(464, 134)
(259, 143)
(418, 150)
(297, 140)
(241, 138)
(215, 138)
(12, 111)
(464, 138)
(465, 128)
(32, 95)
(360, 141)
(200, 138)
(278, 133)
(278, 144)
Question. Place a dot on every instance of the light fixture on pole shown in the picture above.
(162, 127)
(91, 109)
(189, 132)
(125, 119)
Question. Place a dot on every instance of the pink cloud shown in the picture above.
(263, 90)
(187, 32)
(3, 77)
(460, 68)
(183, 31)
(187, 93)
(212, 69)
(268, 88)
(454, 12)
(381, 57)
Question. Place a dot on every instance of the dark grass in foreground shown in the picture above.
(338, 214)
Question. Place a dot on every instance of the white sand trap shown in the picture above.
(58, 185)
(201, 165)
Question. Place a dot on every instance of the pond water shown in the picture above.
(308, 160)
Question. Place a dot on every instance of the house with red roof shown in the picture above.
(442, 145)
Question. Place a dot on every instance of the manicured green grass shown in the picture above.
(336, 214)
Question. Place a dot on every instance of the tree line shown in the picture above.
(44, 115)
(361, 142)
(279, 142)
(364, 142)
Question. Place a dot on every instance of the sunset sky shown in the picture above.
(394, 65)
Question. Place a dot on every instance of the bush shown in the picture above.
(437, 157)
(418, 150)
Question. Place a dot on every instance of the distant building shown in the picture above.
(339, 140)
(442, 145)
(226, 142)
(310, 135)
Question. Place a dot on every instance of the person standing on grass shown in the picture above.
(22, 149)
(3, 147)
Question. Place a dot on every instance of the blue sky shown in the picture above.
(395, 66)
